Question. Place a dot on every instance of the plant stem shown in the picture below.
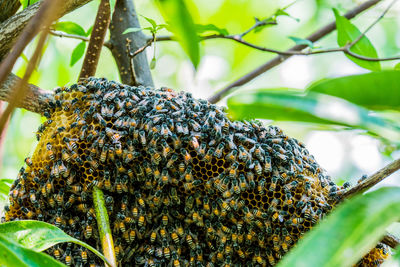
(104, 226)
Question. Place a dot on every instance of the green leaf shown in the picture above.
(112, 6)
(153, 63)
(26, 3)
(397, 66)
(282, 12)
(89, 31)
(178, 17)
(201, 29)
(77, 53)
(300, 41)
(69, 27)
(375, 90)
(289, 105)
(39, 236)
(12, 255)
(347, 33)
(129, 30)
(151, 21)
(5, 186)
(349, 232)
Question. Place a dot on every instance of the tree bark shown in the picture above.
(13, 26)
(126, 17)
(36, 99)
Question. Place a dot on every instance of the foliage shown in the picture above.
(23, 240)
(363, 101)
(345, 230)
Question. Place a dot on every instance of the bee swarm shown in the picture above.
(184, 185)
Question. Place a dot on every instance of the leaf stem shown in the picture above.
(104, 226)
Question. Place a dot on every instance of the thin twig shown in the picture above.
(103, 225)
(77, 37)
(390, 240)
(279, 59)
(371, 180)
(44, 17)
(100, 27)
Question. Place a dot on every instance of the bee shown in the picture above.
(233, 170)
(189, 240)
(219, 150)
(132, 235)
(270, 258)
(175, 237)
(84, 255)
(297, 221)
(290, 186)
(209, 154)
(231, 157)
(172, 160)
(267, 165)
(76, 157)
(257, 167)
(88, 231)
(70, 143)
(156, 157)
(70, 201)
(165, 177)
(261, 186)
(28, 213)
(50, 152)
(206, 204)
(163, 234)
(57, 253)
(82, 207)
(141, 221)
(186, 156)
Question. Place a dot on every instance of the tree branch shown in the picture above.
(137, 71)
(279, 59)
(35, 100)
(369, 182)
(8, 8)
(93, 51)
(77, 37)
(12, 27)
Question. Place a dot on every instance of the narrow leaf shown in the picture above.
(129, 30)
(12, 255)
(39, 236)
(285, 105)
(201, 29)
(300, 41)
(77, 53)
(181, 23)
(349, 232)
(5, 186)
(69, 27)
(112, 6)
(89, 31)
(151, 21)
(153, 63)
(347, 33)
(375, 90)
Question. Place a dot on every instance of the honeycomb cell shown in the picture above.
(184, 185)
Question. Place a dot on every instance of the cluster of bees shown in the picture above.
(184, 185)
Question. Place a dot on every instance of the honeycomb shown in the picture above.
(184, 185)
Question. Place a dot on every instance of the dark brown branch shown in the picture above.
(390, 240)
(8, 8)
(100, 27)
(43, 19)
(12, 27)
(371, 180)
(136, 72)
(279, 59)
(35, 100)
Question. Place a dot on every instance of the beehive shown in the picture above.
(184, 184)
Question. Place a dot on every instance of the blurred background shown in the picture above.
(346, 155)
